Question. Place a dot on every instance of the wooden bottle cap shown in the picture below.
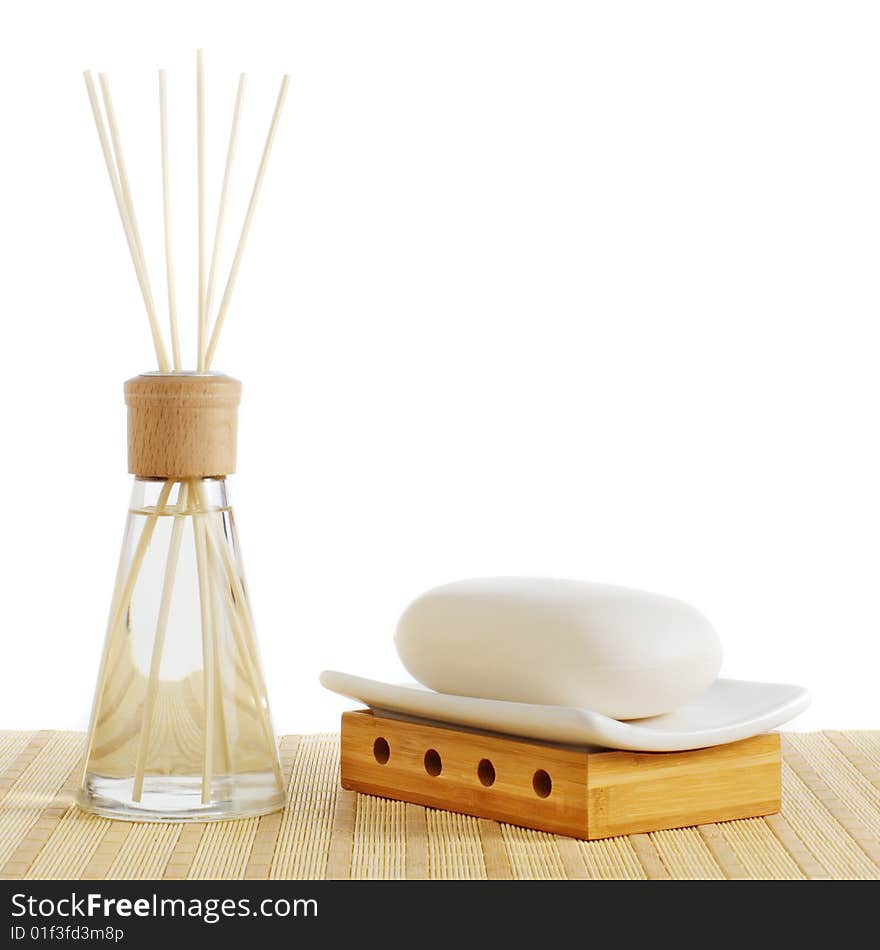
(182, 425)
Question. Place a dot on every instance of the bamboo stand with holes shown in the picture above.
(180, 726)
(559, 789)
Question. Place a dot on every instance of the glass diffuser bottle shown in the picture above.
(180, 725)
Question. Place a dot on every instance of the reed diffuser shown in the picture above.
(180, 726)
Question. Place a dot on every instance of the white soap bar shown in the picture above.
(624, 653)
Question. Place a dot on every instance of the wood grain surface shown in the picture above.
(558, 789)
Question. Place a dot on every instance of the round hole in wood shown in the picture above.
(433, 762)
(381, 750)
(542, 783)
(486, 772)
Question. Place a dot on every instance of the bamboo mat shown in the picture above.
(829, 827)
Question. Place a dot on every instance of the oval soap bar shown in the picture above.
(624, 653)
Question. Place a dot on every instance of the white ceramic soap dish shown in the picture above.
(728, 711)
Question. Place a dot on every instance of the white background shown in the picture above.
(569, 289)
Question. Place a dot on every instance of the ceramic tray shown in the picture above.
(729, 710)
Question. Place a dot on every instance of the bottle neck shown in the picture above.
(208, 494)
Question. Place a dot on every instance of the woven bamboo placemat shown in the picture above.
(829, 827)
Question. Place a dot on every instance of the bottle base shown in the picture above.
(179, 798)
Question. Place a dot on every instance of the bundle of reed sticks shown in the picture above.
(221, 591)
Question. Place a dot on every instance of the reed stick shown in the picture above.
(205, 516)
(132, 218)
(245, 230)
(224, 189)
(242, 625)
(218, 614)
(166, 216)
(243, 636)
(117, 589)
(117, 611)
(199, 534)
(159, 641)
(200, 148)
(110, 163)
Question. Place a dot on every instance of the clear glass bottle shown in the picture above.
(180, 725)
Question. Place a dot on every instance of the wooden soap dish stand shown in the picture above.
(555, 788)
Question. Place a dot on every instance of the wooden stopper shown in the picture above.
(182, 425)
